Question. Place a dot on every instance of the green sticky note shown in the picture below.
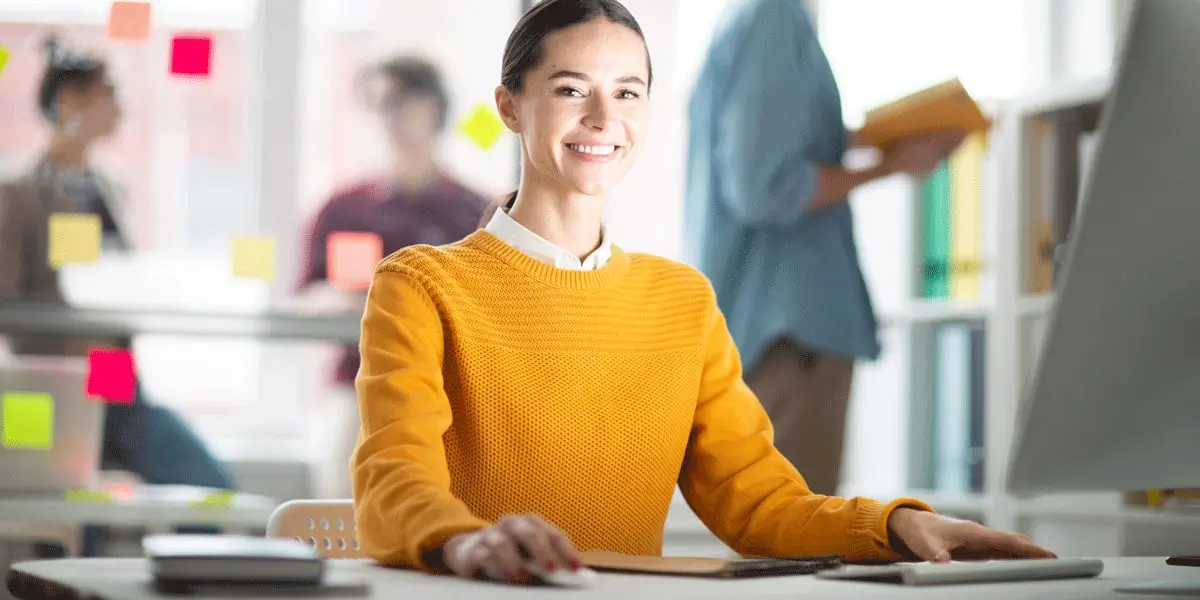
(88, 496)
(28, 419)
(215, 500)
(4, 56)
(483, 126)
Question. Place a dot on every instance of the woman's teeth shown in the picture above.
(596, 150)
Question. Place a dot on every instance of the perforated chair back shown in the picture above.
(327, 525)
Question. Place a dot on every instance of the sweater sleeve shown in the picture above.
(748, 494)
(402, 499)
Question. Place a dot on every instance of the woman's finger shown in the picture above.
(533, 536)
(479, 560)
(1011, 544)
(565, 548)
(504, 554)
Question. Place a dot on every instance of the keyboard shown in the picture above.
(991, 571)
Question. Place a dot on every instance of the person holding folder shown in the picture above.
(768, 221)
(518, 406)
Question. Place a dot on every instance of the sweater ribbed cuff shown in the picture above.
(869, 540)
(435, 537)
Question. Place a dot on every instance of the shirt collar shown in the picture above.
(520, 237)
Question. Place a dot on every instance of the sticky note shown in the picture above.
(191, 55)
(88, 496)
(74, 238)
(129, 21)
(28, 420)
(110, 375)
(482, 126)
(254, 257)
(215, 500)
(351, 257)
(4, 56)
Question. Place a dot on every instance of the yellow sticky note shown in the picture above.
(88, 496)
(254, 257)
(483, 126)
(129, 21)
(215, 500)
(28, 420)
(4, 56)
(74, 238)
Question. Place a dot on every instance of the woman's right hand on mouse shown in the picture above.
(500, 552)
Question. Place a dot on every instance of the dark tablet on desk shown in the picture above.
(331, 585)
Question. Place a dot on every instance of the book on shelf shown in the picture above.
(1063, 151)
(944, 107)
(951, 221)
(958, 408)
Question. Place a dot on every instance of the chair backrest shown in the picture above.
(327, 525)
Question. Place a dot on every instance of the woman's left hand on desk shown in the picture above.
(937, 538)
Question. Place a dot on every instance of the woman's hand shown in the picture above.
(501, 551)
(936, 538)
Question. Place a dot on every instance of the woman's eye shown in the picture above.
(570, 91)
(628, 95)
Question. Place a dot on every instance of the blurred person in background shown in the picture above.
(416, 202)
(77, 98)
(769, 222)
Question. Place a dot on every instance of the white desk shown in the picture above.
(44, 517)
(128, 579)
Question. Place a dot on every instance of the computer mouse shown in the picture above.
(582, 578)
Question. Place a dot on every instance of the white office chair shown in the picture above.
(327, 525)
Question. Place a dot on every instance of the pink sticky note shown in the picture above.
(350, 258)
(191, 55)
(110, 375)
(129, 21)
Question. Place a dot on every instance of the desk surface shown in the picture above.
(144, 505)
(128, 579)
(27, 318)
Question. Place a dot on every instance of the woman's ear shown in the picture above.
(506, 106)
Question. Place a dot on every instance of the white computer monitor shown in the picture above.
(1114, 403)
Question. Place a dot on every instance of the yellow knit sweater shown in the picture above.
(493, 384)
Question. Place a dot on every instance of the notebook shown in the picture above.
(990, 571)
(944, 107)
(209, 559)
(707, 567)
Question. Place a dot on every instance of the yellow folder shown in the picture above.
(944, 107)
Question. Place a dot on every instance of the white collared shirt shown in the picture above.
(518, 236)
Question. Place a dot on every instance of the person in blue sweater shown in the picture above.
(769, 223)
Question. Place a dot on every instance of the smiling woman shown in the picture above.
(534, 390)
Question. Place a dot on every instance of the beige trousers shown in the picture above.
(806, 396)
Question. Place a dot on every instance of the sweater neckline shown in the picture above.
(615, 269)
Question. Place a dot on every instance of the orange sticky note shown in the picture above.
(350, 259)
(129, 21)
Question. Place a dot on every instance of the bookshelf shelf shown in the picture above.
(1035, 305)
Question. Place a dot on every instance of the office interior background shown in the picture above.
(256, 147)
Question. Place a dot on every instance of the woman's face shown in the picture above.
(582, 112)
(91, 112)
